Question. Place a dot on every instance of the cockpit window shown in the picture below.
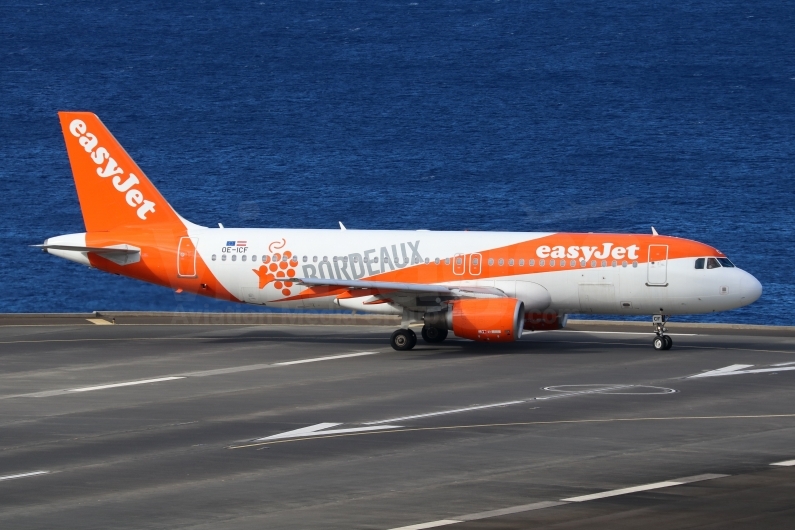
(725, 262)
(700, 263)
(712, 263)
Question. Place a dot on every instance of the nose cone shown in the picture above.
(750, 289)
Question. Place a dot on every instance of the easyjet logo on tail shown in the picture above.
(101, 157)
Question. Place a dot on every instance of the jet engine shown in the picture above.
(482, 319)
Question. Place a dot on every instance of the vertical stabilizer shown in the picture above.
(113, 191)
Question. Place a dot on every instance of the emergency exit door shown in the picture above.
(186, 257)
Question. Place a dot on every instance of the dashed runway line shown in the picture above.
(561, 502)
(23, 475)
(186, 375)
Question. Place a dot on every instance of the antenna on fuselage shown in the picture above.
(654, 232)
(342, 226)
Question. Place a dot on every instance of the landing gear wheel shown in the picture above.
(668, 342)
(659, 343)
(431, 334)
(403, 339)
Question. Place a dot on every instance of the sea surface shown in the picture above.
(608, 116)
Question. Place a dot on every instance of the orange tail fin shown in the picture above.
(112, 189)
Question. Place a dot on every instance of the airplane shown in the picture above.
(483, 286)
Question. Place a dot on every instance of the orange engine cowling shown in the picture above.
(488, 319)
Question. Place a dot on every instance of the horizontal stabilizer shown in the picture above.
(119, 254)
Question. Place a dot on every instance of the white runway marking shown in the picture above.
(129, 383)
(549, 504)
(784, 463)
(581, 392)
(432, 524)
(415, 416)
(23, 475)
(322, 429)
(622, 491)
(329, 358)
(737, 369)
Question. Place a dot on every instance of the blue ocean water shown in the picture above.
(495, 115)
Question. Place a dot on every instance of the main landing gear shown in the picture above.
(403, 339)
(432, 335)
(661, 341)
(406, 339)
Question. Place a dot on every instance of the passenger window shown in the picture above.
(614, 263)
(213, 257)
(521, 263)
(635, 264)
(573, 263)
(491, 261)
(501, 262)
(223, 257)
(712, 263)
(552, 263)
(700, 263)
(447, 261)
(563, 263)
(325, 258)
(510, 262)
(375, 260)
(474, 261)
(314, 259)
(726, 263)
(541, 262)
(234, 257)
(624, 263)
(254, 257)
(265, 258)
(427, 260)
(593, 263)
(436, 261)
(531, 263)
(306, 258)
(604, 263)
(458, 261)
(243, 257)
(582, 263)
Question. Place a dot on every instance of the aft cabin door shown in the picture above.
(186, 257)
(658, 265)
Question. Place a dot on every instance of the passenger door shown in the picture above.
(658, 265)
(186, 257)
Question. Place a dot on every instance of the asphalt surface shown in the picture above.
(557, 415)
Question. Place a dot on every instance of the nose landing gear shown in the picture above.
(661, 341)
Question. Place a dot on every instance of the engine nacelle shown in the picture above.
(482, 319)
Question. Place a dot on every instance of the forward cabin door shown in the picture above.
(658, 265)
(186, 257)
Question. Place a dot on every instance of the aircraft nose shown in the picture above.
(750, 288)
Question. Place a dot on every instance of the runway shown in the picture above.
(154, 424)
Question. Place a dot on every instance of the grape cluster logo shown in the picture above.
(278, 267)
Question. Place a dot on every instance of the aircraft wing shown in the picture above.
(414, 296)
